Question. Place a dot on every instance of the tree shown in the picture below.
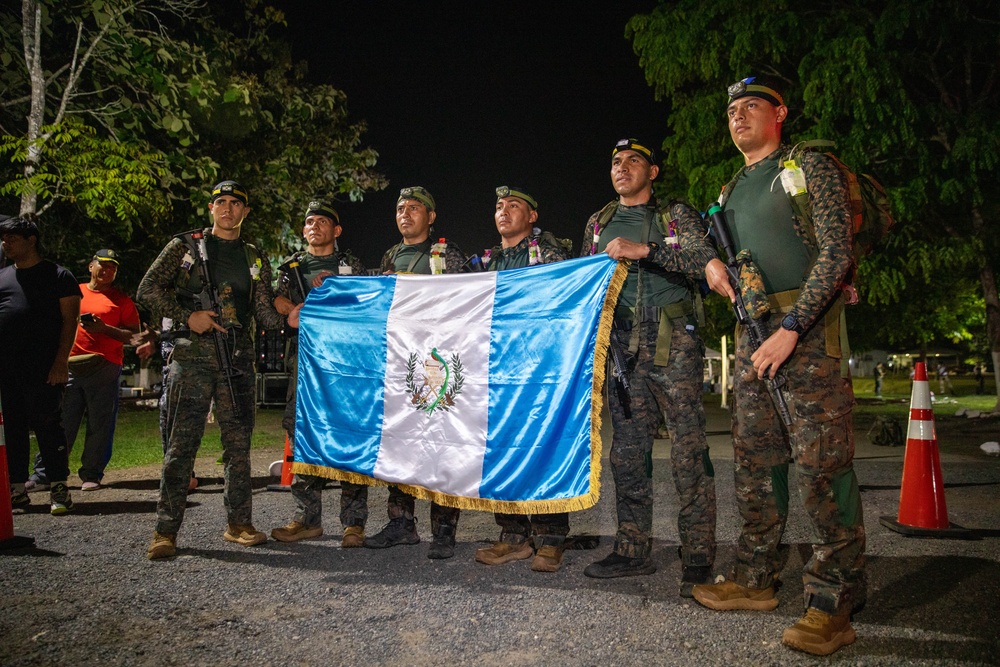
(118, 115)
(906, 88)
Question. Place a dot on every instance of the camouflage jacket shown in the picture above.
(688, 256)
(831, 215)
(158, 288)
(286, 283)
(518, 256)
(454, 259)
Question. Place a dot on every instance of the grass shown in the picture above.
(137, 436)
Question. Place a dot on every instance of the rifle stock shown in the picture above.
(620, 372)
(756, 330)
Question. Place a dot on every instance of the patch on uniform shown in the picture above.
(441, 381)
(672, 238)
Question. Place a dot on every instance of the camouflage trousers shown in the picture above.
(821, 443)
(680, 384)
(194, 381)
(307, 490)
(402, 504)
(547, 529)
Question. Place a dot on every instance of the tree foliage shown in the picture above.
(906, 89)
(117, 117)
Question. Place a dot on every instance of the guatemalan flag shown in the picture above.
(477, 390)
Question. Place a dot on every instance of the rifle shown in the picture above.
(208, 299)
(620, 372)
(294, 267)
(756, 329)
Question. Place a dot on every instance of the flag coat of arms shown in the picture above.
(479, 391)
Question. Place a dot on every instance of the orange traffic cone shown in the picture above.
(7, 538)
(922, 509)
(286, 469)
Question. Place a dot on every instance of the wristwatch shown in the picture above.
(791, 322)
(653, 247)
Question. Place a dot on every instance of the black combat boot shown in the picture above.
(398, 531)
(443, 545)
(616, 565)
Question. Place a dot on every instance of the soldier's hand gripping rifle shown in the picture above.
(293, 267)
(756, 329)
(209, 300)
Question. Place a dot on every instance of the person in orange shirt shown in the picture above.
(108, 318)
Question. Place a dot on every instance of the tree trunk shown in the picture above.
(31, 17)
(988, 281)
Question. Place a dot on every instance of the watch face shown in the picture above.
(790, 323)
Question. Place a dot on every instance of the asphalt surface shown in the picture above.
(85, 593)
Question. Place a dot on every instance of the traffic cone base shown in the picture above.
(286, 469)
(922, 508)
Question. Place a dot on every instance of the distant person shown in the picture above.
(108, 320)
(39, 307)
(418, 253)
(879, 377)
(803, 284)
(241, 276)
(667, 244)
(522, 245)
(322, 258)
(944, 381)
(980, 375)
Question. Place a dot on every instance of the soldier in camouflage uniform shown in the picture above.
(415, 215)
(668, 248)
(522, 245)
(802, 273)
(242, 276)
(322, 258)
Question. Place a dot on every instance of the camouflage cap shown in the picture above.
(319, 207)
(515, 191)
(419, 193)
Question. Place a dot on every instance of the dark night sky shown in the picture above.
(461, 97)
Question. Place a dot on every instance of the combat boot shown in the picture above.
(729, 595)
(295, 531)
(354, 537)
(616, 565)
(164, 545)
(547, 559)
(398, 531)
(244, 534)
(819, 633)
(692, 575)
(504, 552)
(443, 545)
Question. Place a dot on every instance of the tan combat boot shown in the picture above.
(819, 633)
(354, 538)
(547, 559)
(729, 595)
(244, 534)
(504, 552)
(295, 531)
(164, 545)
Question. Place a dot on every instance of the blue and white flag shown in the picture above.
(479, 390)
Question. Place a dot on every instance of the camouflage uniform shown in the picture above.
(307, 490)
(682, 255)
(402, 504)
(820, 398)
(547, 529)
(399, 260)
(195, 379)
